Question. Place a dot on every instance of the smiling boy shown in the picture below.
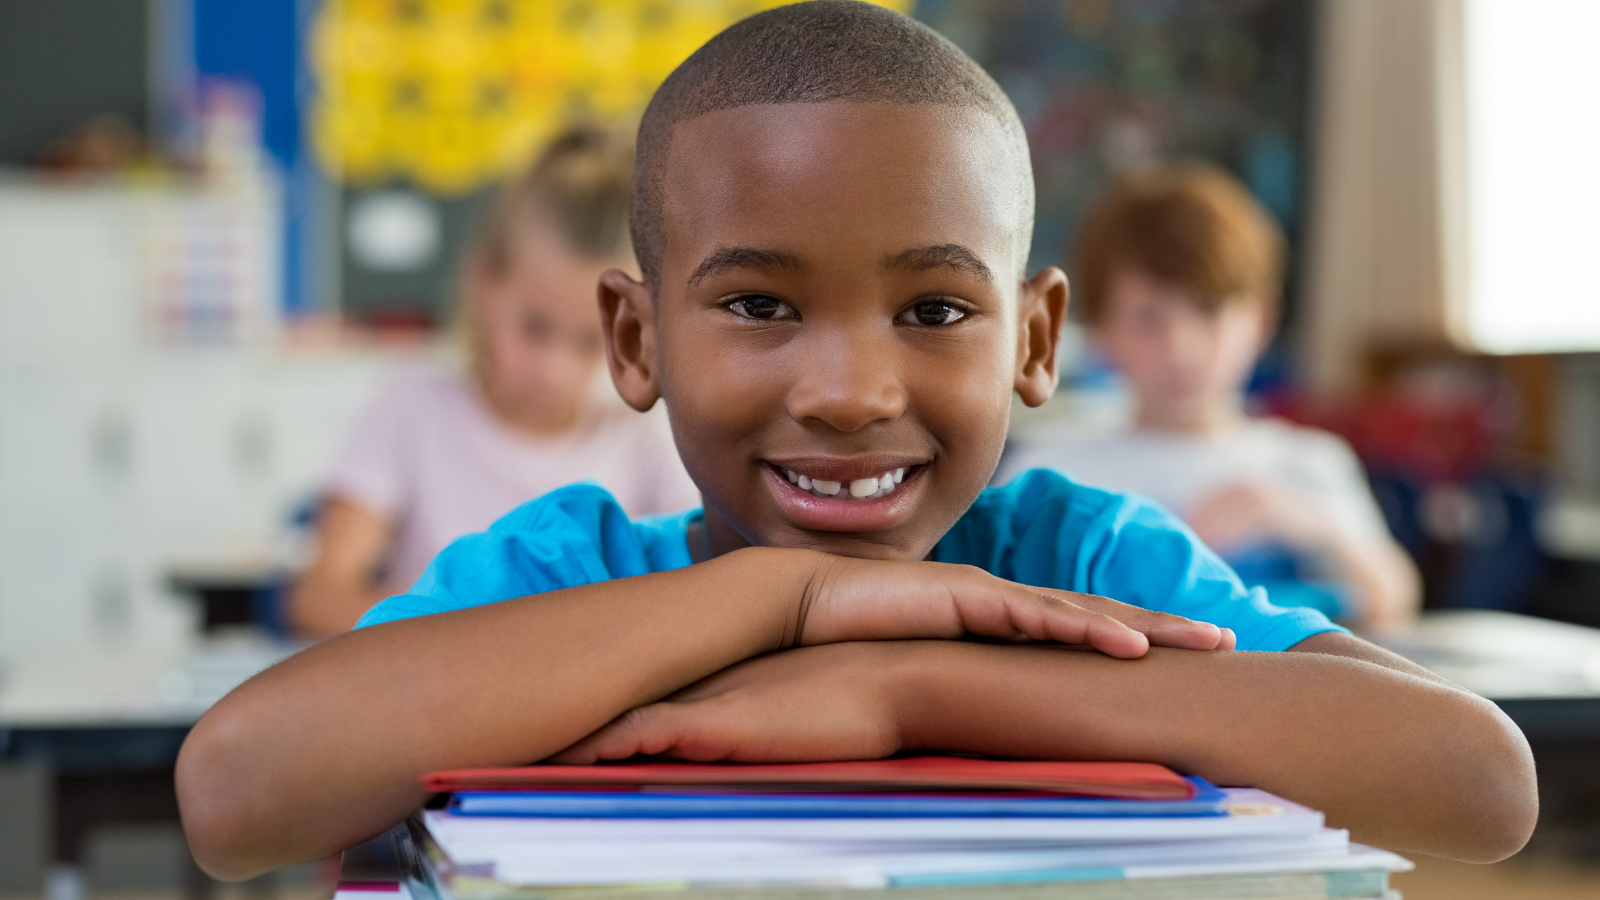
(832, 214)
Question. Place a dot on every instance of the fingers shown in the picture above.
(869, 600)
(1116, 629)
(998, 608)
(1163, 629)
(1048, 617)
(648, 730)
(1114, 638)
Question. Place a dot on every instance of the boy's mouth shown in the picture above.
(870, 488)
(840, 494)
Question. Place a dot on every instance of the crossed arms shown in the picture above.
(772, 654)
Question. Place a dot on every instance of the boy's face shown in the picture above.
(1180, 358)
(838, 300)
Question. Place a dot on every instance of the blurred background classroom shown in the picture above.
(223, 221)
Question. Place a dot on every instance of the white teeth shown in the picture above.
(858, 489)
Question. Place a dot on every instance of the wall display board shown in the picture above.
(435, 99)
(422, 104)
(1104, 86)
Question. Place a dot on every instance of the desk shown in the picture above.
(105, 723)
(1544, 674)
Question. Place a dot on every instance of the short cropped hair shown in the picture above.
(813, 53)
(1190, 225)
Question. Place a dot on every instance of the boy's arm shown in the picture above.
(1402, 758)
(1399, 756)
(324, 750)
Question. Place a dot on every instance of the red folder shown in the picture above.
(1136, 781)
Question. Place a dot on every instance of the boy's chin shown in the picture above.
(858, 546)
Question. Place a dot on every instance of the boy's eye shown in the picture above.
(933, 313)
(759, 307)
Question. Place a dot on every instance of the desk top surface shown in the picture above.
(120, 686)
(1503, 656)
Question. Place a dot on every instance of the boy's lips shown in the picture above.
(839, 497)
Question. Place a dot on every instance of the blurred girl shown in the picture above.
(443, 453)
(1178, 277)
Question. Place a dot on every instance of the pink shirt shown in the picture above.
(430, 453)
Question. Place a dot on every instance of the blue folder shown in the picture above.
(1208, 801)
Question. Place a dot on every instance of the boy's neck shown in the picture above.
(1199, 420)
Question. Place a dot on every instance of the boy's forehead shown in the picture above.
(888, 177)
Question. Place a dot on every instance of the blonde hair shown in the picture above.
(579, 184)
(1192, 225)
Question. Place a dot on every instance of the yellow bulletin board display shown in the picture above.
(451, 93)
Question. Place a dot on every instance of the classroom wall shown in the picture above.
(127, 447)
(1384, 233)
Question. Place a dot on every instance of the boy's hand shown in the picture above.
(813, 704)
(863, 600)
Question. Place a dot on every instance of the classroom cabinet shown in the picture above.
(126, 449)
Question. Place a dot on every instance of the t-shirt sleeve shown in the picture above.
(1045, 530)
(370, 467)
(573, 536)
(1137, 552)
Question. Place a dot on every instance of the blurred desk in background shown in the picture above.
(104, 725)
(120, 686)
(1544, 674)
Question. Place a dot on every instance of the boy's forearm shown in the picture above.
(1402, 760)
(324, 750)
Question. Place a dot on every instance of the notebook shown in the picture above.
(1145, 781)
(1207, 801)
(920, 828)
(1263, 841)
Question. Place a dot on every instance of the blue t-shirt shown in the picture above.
(1041, 529)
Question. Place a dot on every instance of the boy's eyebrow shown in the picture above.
(744, 258)
(950, 256)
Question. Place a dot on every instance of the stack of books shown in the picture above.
(914, 829)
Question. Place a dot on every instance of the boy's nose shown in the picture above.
(848, 386)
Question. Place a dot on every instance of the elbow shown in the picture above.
(1495, 786)
(211, 780)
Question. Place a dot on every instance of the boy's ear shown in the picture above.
(627, 315)
(1041, 311)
